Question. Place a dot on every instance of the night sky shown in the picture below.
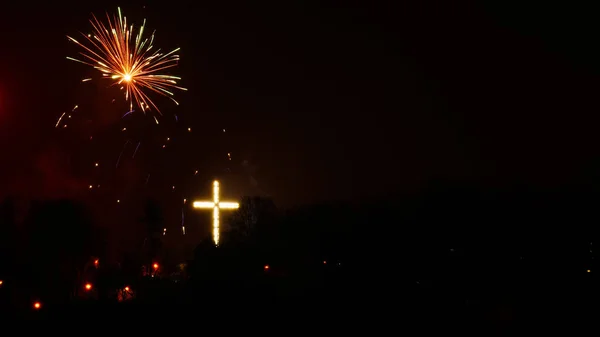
(321, 102)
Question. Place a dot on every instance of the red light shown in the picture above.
(324, 262)
(96, 262)
(126, 288)
(155, 266)
(37, 305)
(88, 286)
(1, 282)
(267, 267)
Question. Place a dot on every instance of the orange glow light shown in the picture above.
(267, 267)
(324, 262)
(96, 261)
(37, 305)
(88, 286)
(1, 282)
(126, 288)
(155, 266)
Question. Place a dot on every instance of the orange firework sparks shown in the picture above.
(126, 58)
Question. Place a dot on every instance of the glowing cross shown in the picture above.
(216, 206)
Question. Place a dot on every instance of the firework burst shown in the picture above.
(130, 60)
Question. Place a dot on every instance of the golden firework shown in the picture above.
(129, 59)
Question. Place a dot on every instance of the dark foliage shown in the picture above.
(58, 240)
(153, 219)
(455, 253)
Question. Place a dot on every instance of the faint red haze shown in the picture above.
(47, 175)
(56, 179)
(4, 108)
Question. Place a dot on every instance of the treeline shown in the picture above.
(446, 231)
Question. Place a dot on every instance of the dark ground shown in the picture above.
(498, 299)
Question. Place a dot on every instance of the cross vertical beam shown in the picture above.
(217, 205)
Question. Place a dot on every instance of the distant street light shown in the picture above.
(37, 305)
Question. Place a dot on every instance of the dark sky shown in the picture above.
(324, 102)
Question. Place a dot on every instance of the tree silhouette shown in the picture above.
(254, 214)
(8, 237)
(60, 241)
(153, 220)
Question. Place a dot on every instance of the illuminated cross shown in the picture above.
(216, 206)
